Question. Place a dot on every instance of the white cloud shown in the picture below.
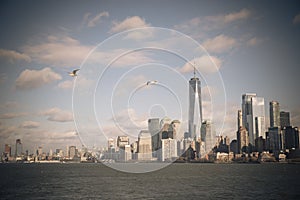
(296, 19)
(199, 26)
(30, 124)
(66, 85)
(57, 115)
(130, 122)
(97, 19)
(253, 41)
(58, 51)
(12, 115)
(234, 16)
(30, 79)
(128, 23)
(128, 84)
(204, 64)
(219, 44)
(13, 56)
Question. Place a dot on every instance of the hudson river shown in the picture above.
(177, 181)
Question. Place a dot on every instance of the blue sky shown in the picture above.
(253, 46)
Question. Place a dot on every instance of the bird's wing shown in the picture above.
(74, 71)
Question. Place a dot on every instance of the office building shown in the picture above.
(242, 140)
(274, 114)
(168, 149)
(207, 136)
(19, 148)
(239, 119)
(284, 119)
(195, 107)
(253, 111)
(144, 146)
(72, 152)
(7, 150)
(290, 137)
(154, 129)
(122, 141)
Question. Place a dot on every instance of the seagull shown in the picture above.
(73, 73)
(151, 82)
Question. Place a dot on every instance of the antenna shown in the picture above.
(194, 68)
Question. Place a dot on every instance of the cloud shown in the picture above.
(58, 51)
(97, 19)
(242, 14)
(3, 77)
(13, 56)
(199, 26)
(66, 85)
(12, 115)
(253, 41)
(219, 44)
(30, 79)
(296, 19)
(129, 84)
(29, 124)
(128, 23)
(57, 115)
(204, 64)
(130, 122)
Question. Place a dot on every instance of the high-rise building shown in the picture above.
(72, 152)
(19, 148)
(144, 145)
(122, 141)
(274, 114)
(284, 119)
(207, 136)
(7, 150)
(242, 139)
(195, 106)
(168, 149)
(154, 129)
(239, 119)
(253, 111)
(273, 139)
(290, 137)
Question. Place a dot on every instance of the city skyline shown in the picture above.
(254, 49)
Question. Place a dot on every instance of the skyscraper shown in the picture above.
(19, 148)
(195, 106)
(154, 129)
(240, 119)
(284, 119)
(207, 136)
(253, 110)
(274, 114)
(144, 145)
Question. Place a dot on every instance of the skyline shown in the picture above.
(253, 46)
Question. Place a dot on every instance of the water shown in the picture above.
(177, 181)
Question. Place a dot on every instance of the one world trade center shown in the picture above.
(195, 106)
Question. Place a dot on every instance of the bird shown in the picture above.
(73, 73)
(151, 82)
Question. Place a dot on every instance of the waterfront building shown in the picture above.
(168, 149)
(290, 137)
(144, 146)
(125, 153)
(195, 106)
(72, 152)
(274, 114)
(19, 148)
(7, 150)
(242, 139)
(273, 139)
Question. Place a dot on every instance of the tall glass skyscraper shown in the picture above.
(274, 114)
(195, 106)
(253, 110)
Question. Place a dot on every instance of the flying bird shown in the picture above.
(151, 82)
(74, 72)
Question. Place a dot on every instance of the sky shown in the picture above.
(237, 47)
